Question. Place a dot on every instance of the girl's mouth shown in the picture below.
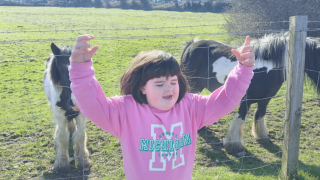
(169, 97)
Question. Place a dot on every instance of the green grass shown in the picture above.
(26, 126)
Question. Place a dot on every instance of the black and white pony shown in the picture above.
(68, 122)
(207, 63)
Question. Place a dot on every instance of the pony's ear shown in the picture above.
(55, 50)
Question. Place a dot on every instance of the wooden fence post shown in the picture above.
(295, 75)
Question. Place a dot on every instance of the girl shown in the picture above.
(155, 119)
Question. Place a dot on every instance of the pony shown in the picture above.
(207, 63)
(68, 121)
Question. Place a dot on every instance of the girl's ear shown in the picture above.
(143, 90)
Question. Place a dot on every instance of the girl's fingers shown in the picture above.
(79, 45)
(84, 38)
(236, 53)
(77, 51)
(248, 60)
(247, 42)
(248, 63)
(247, 49)
(81, 51)
(247, 55)
(93, 50)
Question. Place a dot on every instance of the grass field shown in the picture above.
(26, 124)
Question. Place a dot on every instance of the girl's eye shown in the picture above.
(173, 83)
(160, 85)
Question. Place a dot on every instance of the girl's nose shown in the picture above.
(169, 88)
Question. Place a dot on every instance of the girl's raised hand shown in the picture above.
(246, 56)
(81, 52)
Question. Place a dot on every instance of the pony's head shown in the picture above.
(57, 69)
(57, 65)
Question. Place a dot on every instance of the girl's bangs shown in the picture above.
(160, 67)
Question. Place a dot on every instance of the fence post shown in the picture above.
(295, 75)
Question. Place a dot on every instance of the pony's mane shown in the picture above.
(312, 61)
(186, 45)
(271, 47)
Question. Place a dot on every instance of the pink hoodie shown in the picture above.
(156, 144)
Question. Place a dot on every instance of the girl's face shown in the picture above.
(162, 93)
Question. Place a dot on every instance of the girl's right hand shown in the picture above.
(81, 52)
(246, 55)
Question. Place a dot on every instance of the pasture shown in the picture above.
(26, 124)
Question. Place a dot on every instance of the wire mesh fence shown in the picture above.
(26, 103)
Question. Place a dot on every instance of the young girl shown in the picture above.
(155, 119)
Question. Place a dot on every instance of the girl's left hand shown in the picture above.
(246, 56)
(81, 52)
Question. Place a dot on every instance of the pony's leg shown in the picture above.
(234, 136)
(259, 127)
(61, 137)
(80, 140)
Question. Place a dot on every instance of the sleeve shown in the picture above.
(106, 113)
(209, 109)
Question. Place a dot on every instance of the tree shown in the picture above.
(188, 5)
(176, 4)
(97, 4)
(208, 5)
(83, 3)
(145, 4)
(252, 15)
(108, 5)
(124, 4)
(135, 5)
(196, 6)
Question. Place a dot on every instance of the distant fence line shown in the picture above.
(142, 28)
(155, 36)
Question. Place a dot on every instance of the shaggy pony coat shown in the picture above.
(68, 122)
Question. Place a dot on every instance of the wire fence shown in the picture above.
(253, 156)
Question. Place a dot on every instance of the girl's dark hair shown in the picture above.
(148, 65)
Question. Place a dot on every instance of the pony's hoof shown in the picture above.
(233, 147)
(84, 163)
(61, 165)
(61, 170)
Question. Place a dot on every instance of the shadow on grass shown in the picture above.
(73, 173)
(250, 163)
